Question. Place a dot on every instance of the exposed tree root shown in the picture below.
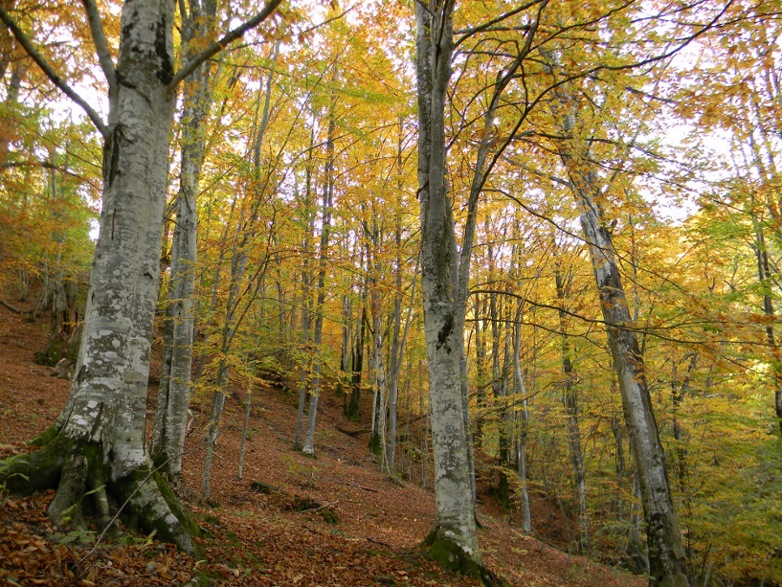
(454, 558)
(142, 500)
(14, 309)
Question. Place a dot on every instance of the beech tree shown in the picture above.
(171, 416)
(667, 565)
(308, 246)
(95, 453)
(443, 325)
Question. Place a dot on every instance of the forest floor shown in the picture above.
(333, 520)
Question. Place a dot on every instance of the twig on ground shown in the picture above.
(320, 507)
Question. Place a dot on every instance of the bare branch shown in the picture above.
(48, 70)
(469, 32)
(216, 46)
(101, 45)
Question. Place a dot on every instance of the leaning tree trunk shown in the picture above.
(171, 416)
(95, 453)
(667, 564)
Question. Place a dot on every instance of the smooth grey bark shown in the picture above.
(397, 352)
(490, 148)
(373, 233)
(306, 304)
(443, 326)
(99, 440)
(171, 416)
(666, 556)
(480, 365)
(570, 401)
(97, 447)
(521, 390)
(394, 367)
(444, 270)
(317, 335)
(667, 563)
(398, 338)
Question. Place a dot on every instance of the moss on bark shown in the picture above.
(453, 557)
(79, 473)
(46, 437)
(35, 471)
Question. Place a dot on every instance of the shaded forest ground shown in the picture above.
(334, 520)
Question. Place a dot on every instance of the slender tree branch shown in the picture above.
(216, 46)
(101, 45)
(48, 70)
(528, 169)
(655, 331)
(469, 32)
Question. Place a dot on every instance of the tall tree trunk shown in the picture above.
(306, 301)
(667, 564)
(397, 352)
(377, 441)
(481, 378)
(443, 326)
(570, 401)
(168, 438)
(521, 391)
(97, 448)
(397, 337)
(328, 198)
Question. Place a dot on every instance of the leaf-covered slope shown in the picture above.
(293, 520)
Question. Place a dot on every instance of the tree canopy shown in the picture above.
(299, 150)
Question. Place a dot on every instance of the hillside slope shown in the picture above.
(333, 520)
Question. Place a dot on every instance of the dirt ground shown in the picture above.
(333, 520)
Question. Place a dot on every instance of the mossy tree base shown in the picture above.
(84, 491)
(453, 557)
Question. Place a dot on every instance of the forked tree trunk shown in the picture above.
(96, 451)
